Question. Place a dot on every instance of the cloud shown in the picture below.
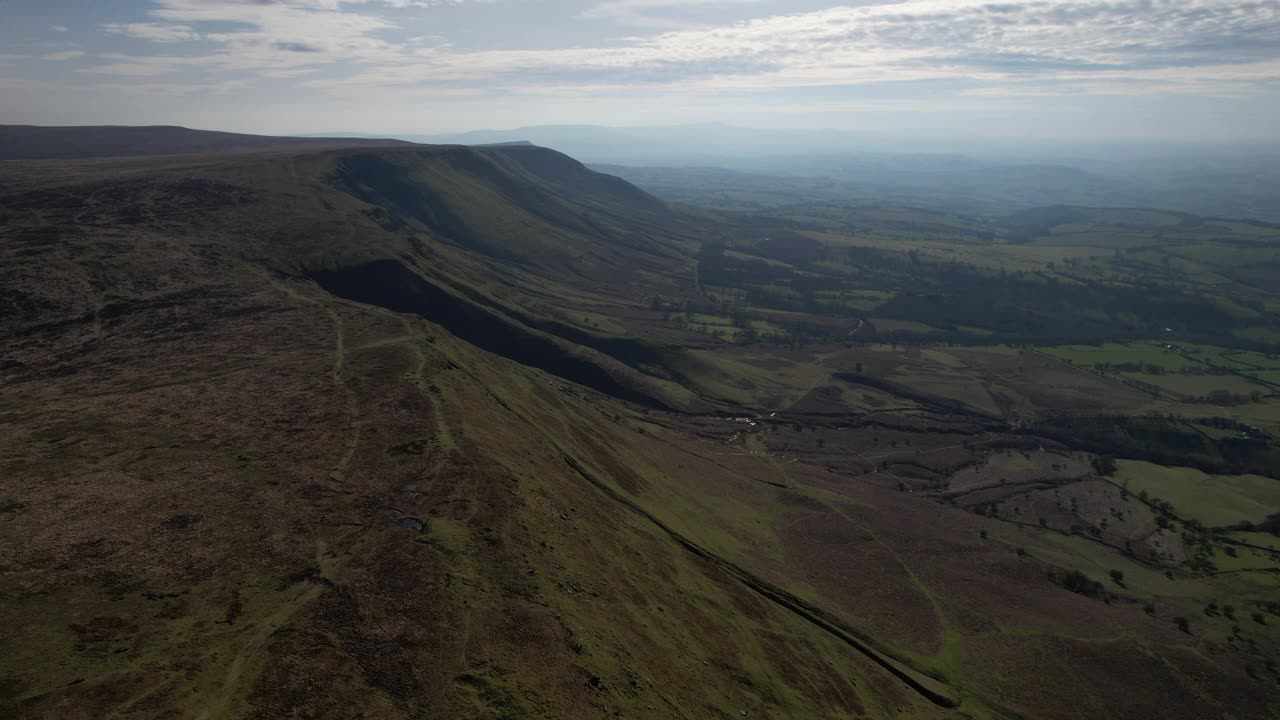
(616, 7)
(155, 32)
(262, 32)
(64, 55)
(655, 13)
(265, 37)
(126, 69)
(58, 28)
(295, 47)
(1030, 45)
(144, 65)
(909, 40)
(171, 89)
(289, 72)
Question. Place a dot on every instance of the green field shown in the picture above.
(1198, 386)
(1145, 353)
(1197, 380)
(1216, 501)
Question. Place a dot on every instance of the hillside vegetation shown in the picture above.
(397, 432)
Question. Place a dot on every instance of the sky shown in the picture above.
(1050, 70)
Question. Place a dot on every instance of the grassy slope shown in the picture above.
(215, 455)
(264, 574)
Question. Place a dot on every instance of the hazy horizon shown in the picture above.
(1036, 71)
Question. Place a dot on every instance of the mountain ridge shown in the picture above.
(478, 432)
(34, 142)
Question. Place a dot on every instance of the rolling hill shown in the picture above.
(465, 432)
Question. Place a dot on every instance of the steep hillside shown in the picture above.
(322, 507)
(519, 240)
(407, 432)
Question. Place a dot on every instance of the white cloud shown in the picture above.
(972, 40)
(271, 32)
(655, 13)
(144, 65)
(1025, 45)
(58, 28)
(613, 7)
(155, 32)
(170, 89)
(64, 55)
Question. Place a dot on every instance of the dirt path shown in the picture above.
(327, 563)
(338, 474)
(418, 378)
(263, 630)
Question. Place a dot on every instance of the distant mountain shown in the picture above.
(514, 143)
(997, 176)
(706, 144)
(28, 142)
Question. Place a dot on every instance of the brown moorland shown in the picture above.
(399, 432)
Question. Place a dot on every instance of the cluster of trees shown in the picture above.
(1104, 465)
(1079, 583)
(1164, 441)
(1226, 397)
(794, 273)
(1222, 423)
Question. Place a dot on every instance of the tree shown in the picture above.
(1183, 624)
(1081, 584)
(1117, 577)
(1104, 465)
(858, 368)
(982, 534)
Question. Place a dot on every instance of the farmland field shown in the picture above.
(1215, 501)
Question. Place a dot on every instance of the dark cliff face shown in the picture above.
(389, 284)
